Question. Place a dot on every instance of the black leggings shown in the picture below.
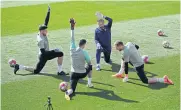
(140, 72)
(44, 58)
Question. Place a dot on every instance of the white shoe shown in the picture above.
(90, 85)
(125, 79)
(98, 68)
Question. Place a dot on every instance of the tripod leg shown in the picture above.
(51, 107)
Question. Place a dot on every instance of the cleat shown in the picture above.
(61, 73)
(67, 97)
(118, 75)
(167, 80)
(16, 68)
(90, 85)
(125, 79)
(98, 68)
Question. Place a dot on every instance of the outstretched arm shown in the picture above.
(109, 21)
(47, 17)
(72, 43)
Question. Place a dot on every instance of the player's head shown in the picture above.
(100, 22)
(43, 29)
(119, 45)
(82, 43)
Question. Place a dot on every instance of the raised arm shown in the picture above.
(109, 21)
(47, 17)
(72, 43)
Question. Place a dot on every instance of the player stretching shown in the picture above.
(103, 39)
(78, 58)
(131, 54)
(44, 53)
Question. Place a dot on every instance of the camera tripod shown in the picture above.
(49, 104)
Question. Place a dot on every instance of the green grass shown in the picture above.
(25, 19)
(25, 91)
(109, 93)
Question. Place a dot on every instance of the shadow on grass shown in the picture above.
(116, 67)
(156, 86)
(65, 78)
(169, 48)
(106, 94)
(150, 63)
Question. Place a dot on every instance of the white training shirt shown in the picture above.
(42, 42)
(130, 53)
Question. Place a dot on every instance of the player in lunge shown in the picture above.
(44, 53)
(131, 54)
(79, 57)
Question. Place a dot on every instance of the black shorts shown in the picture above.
(80, 75)
(140, 72)
(44, 58)
(74, 78)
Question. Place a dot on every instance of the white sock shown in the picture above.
(160, 80)
(89, 80)
(70, 91)
(98, 65)
(59, 68)
(22, 67)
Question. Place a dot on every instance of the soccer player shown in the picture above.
(122, 69)
(103, 39)
(44, 53)
(131, 54)
(78, 58)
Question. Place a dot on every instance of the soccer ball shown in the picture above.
(160, 32)
(166, 44)
(145, 58)
(12, 62)
(63, 86)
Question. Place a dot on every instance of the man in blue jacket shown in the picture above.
(103, 39)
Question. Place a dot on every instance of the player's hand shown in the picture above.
(99, 15)
(72, 23)
(48, 8)
(99, 46)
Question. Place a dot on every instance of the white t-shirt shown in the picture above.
(130, 53)
(42, 42)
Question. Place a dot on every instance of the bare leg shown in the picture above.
(59, 61)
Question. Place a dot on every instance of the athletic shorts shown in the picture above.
(80, 75)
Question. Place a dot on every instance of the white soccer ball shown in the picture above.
(12, 62)
(160, 32)
(145, 58)
(166, 44)
(63, 86)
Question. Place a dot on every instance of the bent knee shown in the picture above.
(60, 54)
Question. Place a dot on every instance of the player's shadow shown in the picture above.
(106, 94)
(156, 86)
(116, 67)
(65, 78)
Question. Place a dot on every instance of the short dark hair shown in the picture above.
(117, 43)
(82, 42)
(42, 27)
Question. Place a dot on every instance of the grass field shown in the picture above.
(133, 21)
